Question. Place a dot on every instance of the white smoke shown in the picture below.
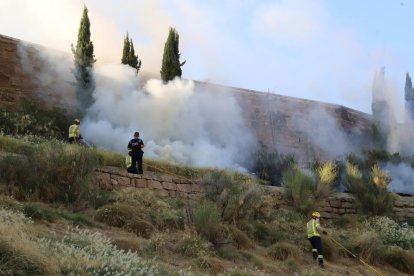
(402, 178)
(177, 121)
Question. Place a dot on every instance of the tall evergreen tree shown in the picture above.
(133, 60)
(126, 50)
(84, 59)
(128, 54)
(408, 88)
(171, 66)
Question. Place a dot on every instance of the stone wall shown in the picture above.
(333, 207)
(164, 185)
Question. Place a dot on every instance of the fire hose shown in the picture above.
(355, 256)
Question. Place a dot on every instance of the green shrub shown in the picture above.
(400, 259)
(282, 250)
(156, 245)
(371, 192)
(29, 119)
(299, 189)
(193, 245)
(37, 211)
(52, 171)
(270, 166)
(391, 232)
(206, 220)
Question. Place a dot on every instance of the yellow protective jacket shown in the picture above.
(74, 131)
(128, 161)
(313, 227)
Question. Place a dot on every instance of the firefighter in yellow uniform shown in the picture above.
(313, 229)
(74, 132)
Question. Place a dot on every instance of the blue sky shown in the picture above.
(315, 49)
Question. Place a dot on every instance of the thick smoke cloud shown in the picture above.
(178, 121)
(402, 178)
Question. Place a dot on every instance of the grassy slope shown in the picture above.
(155, 227)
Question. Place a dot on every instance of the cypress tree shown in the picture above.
(171, 66)
(408, 88)
(128, 54)
(133, 60)
(126, 50)
(84, 59)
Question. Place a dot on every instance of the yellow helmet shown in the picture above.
(316, 214)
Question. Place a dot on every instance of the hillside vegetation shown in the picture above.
(55, 222)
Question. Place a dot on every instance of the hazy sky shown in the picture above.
(315, 49)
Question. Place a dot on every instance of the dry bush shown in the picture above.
(282, 250)
(402, 260)
(156, 245)
(193, 245)
(211, 264)
(116, 214)
(240, 239)
(127, 244)
(140, 227)
(330, 249)
(369, 247)
(19, 253)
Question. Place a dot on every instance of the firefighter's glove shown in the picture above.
(130, 153)
(324, 232)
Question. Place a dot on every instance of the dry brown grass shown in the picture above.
(282, 250)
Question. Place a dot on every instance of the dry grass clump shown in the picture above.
(369, 247)
(19, 254)
(282, 250)
(210, 264)
(240, 239)
(116, 214)
(140, 227)
(141, 212)
(402, 260)
(127, 244)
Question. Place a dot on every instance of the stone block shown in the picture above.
(166, 178)
(335, 203)
(172, 193)
(184, 188)
(163, 193)
(103, 181)
(196, 188)
(122, 181)
(194, 196)
(154, 184)
(347, 205)
(169, 186)
(326, 209)
(342, 211)
(182, 194)
(141, 183)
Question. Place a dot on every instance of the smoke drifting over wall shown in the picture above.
(178, 122)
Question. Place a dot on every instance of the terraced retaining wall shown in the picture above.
(333, 207)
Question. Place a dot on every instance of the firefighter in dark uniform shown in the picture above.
(135, 147)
